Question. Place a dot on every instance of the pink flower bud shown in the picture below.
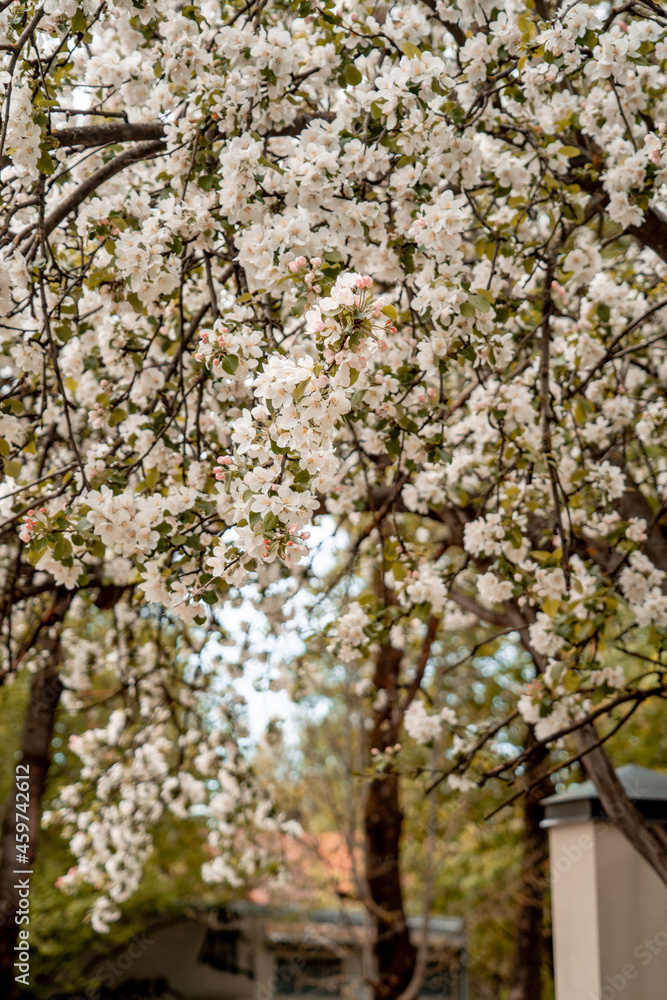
(293, 528)
(226, 460)
(216, 362)
(315, 261)
(199, 357)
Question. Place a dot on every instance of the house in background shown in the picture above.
(302, 934)
(251, 952)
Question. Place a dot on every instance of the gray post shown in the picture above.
(609, 908)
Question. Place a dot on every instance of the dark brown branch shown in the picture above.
(425, 652)
(618, 807)
(141, 151)
(102, 133)
(652, 232)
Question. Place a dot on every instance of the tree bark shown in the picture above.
(644, 836)
(530, 941)
(395, 955)
(45, 693)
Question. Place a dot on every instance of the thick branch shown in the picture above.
(652, 232)
(617, 805)
(132, 155)
(102, 133)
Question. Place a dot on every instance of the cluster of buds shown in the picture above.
(294, 530)
(114, 230)
(30, 524)
(311, 279)
(377, 315)
(213, 343)
(397, 747)
(382, 759)
(294, 547)
(339, 330)
(222, 468)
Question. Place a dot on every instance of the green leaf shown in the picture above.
(352, 75)
(152, 477)
(410, 50)
(480, 302)
(117, 416)
(62, 549)
(515, 537)
(270, 522)
(35, 554)
(230, 364)
(570, 681)
(45, 164)
(391, 313)
(551, 606)
(12, 468)
(298, 390)
(266, 162)
(399, 571)
(79, 23)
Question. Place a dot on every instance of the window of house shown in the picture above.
(220, 950)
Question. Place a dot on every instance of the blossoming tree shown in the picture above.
(400, 266)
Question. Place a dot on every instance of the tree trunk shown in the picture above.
(395, 955)
(45, 692)
(644, 836)
(530, 942)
